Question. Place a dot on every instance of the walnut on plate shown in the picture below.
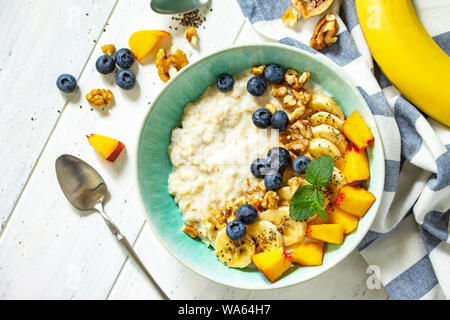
(191, 35)
(290, 17)
(325, 32)
(99, 97)
(310, 8)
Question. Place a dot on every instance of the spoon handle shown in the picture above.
(126, 244)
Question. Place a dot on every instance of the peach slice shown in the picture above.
(354, 200)
(331, 233)
(308, 253)
(108, 148)
(356, 166)
(273, 263)
(143, 42)
(357, 131)
(345, 219)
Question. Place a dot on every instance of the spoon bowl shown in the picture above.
(176, 6)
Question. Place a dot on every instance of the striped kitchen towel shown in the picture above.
(408, 245)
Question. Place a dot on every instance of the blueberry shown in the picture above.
(124, 58)
(261, 118)
(256, 86)
(260, 167)
(279, 158)
(105, 64)
(66, 83)
(300, 163)
(279, 120)
(247, 214)
(225, 82)
(273, 181)
(236, 230)
(125, 79)
(274, 73)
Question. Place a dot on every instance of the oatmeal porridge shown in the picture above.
(267, 168)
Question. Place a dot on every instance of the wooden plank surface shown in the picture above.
(49, 251)
(40, 40)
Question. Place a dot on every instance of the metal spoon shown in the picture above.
(176, 6)
(86, 190)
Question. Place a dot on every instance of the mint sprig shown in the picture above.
(308, 200)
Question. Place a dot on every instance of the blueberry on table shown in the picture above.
(247, 214)
(261, 118)
(260, 167)
(280, 120)
(300, 163)
(273, 181)
(274, 73)
(124, 58)
(66, 83)
(125, 79)
(279, 158)
(236, 230)
(105, 64)
(256, 86)
(225, 82)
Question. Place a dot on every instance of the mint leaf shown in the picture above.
(320, 171)
(301, 210)
(308, 192)
(318, 208)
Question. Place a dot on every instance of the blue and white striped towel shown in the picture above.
(409, 240)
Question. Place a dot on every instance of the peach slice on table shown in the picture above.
(357, 131)
(108, 148)
(354, 200)
(356, 165)
(308, 253)
(338, 216)
(142, 42)
(272, 263)
(331, 233)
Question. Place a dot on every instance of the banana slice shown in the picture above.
(320, 147)
(336, 182)
(332, 134)
(265, 235)
(326, 118)
(234, 254)
(291, 230)
(320, 102)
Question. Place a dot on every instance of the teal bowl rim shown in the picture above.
(378, 188)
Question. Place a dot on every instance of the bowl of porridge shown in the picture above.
(260, 166)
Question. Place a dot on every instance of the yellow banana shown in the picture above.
(407, 54)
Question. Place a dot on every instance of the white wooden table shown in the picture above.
(47, 250)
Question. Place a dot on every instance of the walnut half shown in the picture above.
(325, 32)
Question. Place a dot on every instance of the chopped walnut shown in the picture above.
(190, 231)
(298, 146)
(303, 78)
(303, 97)
(289, 135)
(279, 90)
(297, 113)
(270, 200)
(272, 108)
(292, 78)
(258, 71)
(109, 49)
(290, 17)
(289, 101)
(100, 97)
(303, 127)
(325, 32)
(296, 182)
(170, 64)
(191, 35)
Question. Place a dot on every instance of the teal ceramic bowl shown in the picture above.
(154, 167)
